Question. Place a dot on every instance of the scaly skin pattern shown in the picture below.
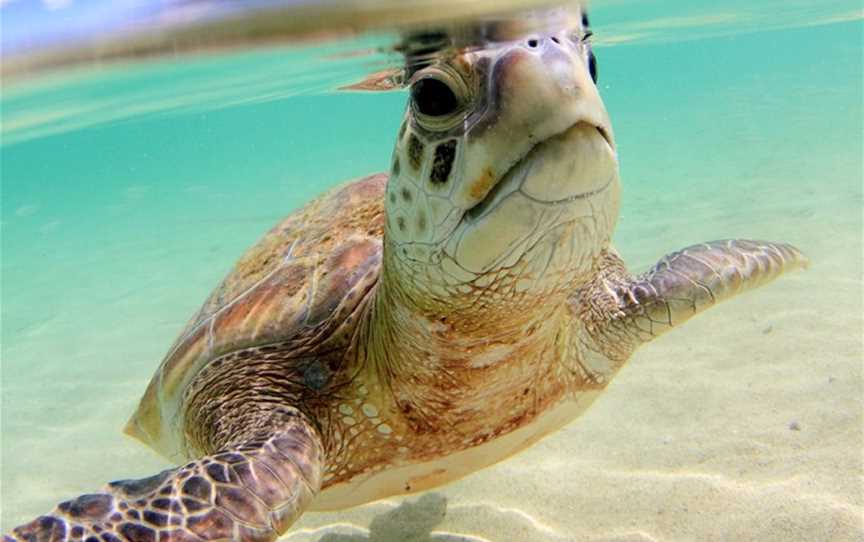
(616, 313)
(402, 331)
(253, 492)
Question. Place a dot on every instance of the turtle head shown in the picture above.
(504, 176)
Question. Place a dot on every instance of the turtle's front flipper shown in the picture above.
(252, 490)
(623, 312)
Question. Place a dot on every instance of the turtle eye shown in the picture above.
(433, 97)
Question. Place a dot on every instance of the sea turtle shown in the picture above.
(402, 331)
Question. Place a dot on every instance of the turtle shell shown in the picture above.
(295, 285)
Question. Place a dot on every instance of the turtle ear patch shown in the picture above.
(442, 164)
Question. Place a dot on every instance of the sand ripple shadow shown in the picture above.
(408, 522)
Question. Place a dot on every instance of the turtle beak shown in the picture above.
(537, 89)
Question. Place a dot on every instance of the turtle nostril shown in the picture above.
(532, 43)
(556, 40)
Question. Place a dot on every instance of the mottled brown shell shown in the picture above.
(296, 284)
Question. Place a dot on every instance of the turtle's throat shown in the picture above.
(415, 337)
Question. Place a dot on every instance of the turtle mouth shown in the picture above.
(513, 178)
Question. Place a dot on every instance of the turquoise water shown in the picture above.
(127, 194)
